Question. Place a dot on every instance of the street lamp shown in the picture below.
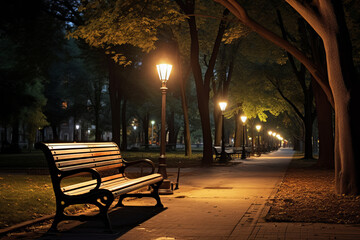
(164, 71)
(223, 154)
(258, 128)
(243, 154)
(152, 131)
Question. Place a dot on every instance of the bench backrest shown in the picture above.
(72, 156)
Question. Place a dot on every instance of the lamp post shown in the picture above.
(152, 131)
(258, 128)
(269, 148)
(77, 127)
(274, 144)
(223, 154)
(243, 154)
(164, 71)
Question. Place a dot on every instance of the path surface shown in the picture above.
(227, 202)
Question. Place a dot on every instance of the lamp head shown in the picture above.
(243, 118)
(222, 105)
(164, 71)
(258, 127)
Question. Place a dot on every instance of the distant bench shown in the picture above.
(103, 161)
(230, 151)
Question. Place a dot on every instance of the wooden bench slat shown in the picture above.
(116, 184)
(85, 155)
(55, 146)
(82, 150)
(92, 165)
(80, 162)
(135, 187)
(91, 183)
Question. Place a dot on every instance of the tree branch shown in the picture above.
(236, 9)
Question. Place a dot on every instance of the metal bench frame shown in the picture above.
(74, 159)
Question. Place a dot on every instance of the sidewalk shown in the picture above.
(223, 202)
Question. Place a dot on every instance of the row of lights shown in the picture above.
(274, 134)
(243, 118)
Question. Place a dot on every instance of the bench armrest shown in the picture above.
(93, 172)
(147, 161)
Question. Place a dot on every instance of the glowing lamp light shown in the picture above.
(164, 71)
(258, 127)
(222, 106)
(270, 133)
(243, 119)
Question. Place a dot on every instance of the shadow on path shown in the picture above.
(122, 219)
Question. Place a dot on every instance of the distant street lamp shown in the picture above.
(223, 157)
(243, 154)
(164, 71)
(258, 128)
(152, 131)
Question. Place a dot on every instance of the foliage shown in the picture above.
(116, 23)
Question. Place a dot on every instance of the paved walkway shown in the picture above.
(227, 202)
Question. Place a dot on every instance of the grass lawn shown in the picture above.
(36, 159)
(24, 197)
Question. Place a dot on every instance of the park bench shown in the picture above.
(109, 180)
(217, 151)
(230, 151)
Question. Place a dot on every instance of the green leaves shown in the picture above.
(109, 24)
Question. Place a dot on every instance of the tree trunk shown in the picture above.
(327, 19)
(183, 77)
(203, 85)
(124, 125)
(184, 105)
(308, 122)
(146, 121)
(345, 86)
(172, 130)
(325, 126)
(14, 145)
(217, 122)
(238, 129)
(55, 133)
(115, 102)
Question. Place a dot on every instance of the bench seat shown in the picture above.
(117, 184)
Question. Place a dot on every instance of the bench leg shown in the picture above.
(102, 200)
(155, 194)
(104, 203)
(121, 198)
(59, 216)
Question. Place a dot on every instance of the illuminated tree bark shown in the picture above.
(327, 19)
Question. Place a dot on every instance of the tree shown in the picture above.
(29, 39)
(203, 82)
(328, 20)
(115, 26)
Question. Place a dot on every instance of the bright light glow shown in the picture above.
(270, 133)
(164, 71)
(274, 134)
(258, 127)
(222, 106)
(152, 122)
(77, 126)
(243, 118)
